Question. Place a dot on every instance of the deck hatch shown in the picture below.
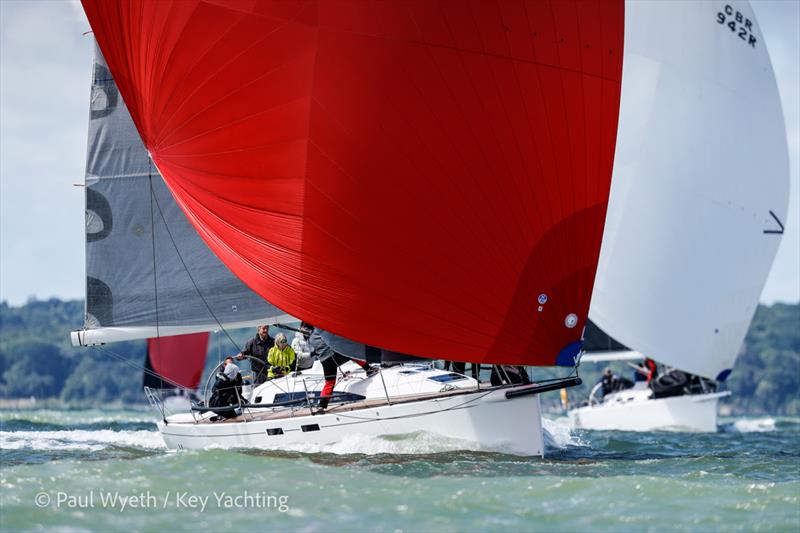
(444, 378)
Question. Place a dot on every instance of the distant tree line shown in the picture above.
(766, 377)
(37, 359)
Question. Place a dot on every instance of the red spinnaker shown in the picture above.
(179, 359)
(415, 175)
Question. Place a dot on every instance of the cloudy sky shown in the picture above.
(45, 68)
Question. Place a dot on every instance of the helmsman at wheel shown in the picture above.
(258, 349)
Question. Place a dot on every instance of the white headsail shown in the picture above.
(700, 186)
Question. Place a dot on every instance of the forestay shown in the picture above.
(700, 187)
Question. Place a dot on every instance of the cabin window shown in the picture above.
(310, 427)
(445, 378)
(300, 397)
(274, 431)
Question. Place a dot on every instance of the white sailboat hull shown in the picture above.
(485, 418)
(637, 412)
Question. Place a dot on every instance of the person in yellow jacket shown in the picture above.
(281, 358)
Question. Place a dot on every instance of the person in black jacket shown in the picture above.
(227, 390)
(613, 382)
(258, 349)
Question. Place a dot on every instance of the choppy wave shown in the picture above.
(83, 440)
(743, 479)
(71, 418)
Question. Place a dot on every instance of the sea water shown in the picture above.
(95, 470)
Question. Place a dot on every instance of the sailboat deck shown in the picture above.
(281, 413)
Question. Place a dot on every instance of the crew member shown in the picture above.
(258, 349)
(331, 361)
(281, 358)
(646, 371)
(227, 390)
(609, 381)
(652, 370)
(302, 349)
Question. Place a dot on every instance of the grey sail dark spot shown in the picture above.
(99, 302)
(104, 93)
(99, 220)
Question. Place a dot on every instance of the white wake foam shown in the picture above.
(558, 433)
(410, 444)
(751, 425)
(79, 440)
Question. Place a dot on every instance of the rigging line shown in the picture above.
(152, 373)
(289, 328)
(188, 273)
(153, 240)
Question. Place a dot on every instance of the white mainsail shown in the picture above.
(700, 187)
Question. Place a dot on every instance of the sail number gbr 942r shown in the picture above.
(738, 23)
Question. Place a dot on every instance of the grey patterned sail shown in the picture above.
(148, 273)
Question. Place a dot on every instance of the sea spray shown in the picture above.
(558, 434)
(751, 425)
